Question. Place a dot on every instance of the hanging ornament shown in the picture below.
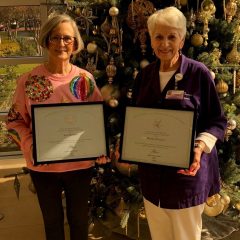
(231, 124)
(144, 63)
(191, 18)
(212, 74)
(184, 2)
(230, 10)
(197, 40)
(137, 15)
(112, 34)
(178, 4)
(222, 87)
(92, 58)
(238, 79)
(207, 12)
(111, 70)
(92, 47)
(233, 56)
(84, 17)
(113, 102)
(213, 206)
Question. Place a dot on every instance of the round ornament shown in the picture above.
(212, 74)
(82, 87)
(113, 11)
(197, 40)
(231, 124)
(92, 47)
(222, 87)
(113, 102)
(144, 63)
(183, 2)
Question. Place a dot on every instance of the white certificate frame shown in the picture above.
(158, 136)
(67, 132)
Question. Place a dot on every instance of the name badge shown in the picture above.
(175, 94)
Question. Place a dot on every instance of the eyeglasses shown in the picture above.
(66, 39)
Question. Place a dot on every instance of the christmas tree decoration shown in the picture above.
(206, 14)
(138, 12)
(222, 87)
(216, 204)
(197, 40)
(111, 70)
(230, 10)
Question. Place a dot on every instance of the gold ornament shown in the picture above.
(197, 40)
(237, 206)
(230, 10)
(113, 102)
(238, 79)
(214, 206)
(222, 87)
(142, 213)
(183, 2)
(113, 11)
(137, 15)
(207, 12)
(144, 63)
(233, 56)
(92, 47)
(111, 70)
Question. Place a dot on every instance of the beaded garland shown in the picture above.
(82, 87)
(38, 88)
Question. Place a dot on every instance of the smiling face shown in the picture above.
(166, 43)
(59, 49)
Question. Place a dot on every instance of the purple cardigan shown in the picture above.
(162, 184)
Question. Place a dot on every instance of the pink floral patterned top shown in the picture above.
(42, 87)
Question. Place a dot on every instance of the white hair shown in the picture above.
(169, 16)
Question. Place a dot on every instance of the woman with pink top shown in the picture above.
(56, 81)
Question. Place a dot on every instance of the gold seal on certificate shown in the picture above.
(158, 136)
(68, 132)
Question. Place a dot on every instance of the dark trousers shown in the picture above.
(49, 187)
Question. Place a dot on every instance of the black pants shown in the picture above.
(49, 187)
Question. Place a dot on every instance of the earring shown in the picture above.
(180, 52)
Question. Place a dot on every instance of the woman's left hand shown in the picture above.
(103, 160)
(195, 166)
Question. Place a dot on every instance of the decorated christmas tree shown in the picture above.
(117, 46)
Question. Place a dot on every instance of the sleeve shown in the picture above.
(211, 118)
(19, 119)
(208, 139)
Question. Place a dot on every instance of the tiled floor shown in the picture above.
(22, 217)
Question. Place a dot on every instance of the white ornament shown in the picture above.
(212, 74)
(92, 47)
(144, 63)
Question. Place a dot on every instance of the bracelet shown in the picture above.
(198, 145)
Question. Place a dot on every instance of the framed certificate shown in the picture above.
(158, 136)
(68, 132)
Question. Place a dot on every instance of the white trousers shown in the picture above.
(174, 224)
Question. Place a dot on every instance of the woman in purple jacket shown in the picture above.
(174, 199)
